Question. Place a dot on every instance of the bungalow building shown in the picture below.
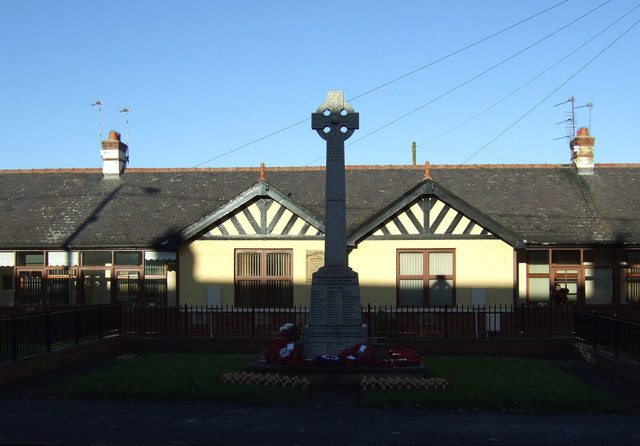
(417, 235)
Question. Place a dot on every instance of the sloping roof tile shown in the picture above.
(548, 204)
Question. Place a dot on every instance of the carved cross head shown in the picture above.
(335, 119)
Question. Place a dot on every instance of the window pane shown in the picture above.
(155, 291)
(130, 258)
(7, 259)
(31, 258)
(30, 288)
(96, 258)
(598, 285)
(62, 287)
(411, 263)
(539, 289)
(560, 257)
(440, 263)
(279, 264)
(96, 287)
(633, 290)
(159, 255)
(441, 292)
(154, 267)
(247, 293)
(538, 262)
(598, 257)
(249, 264)
(633, 257)
(128, 286)
(279, 293)
(411, 292)
(62, 258)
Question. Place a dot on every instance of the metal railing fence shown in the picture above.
(382, 321)
(31, 333)
(610, 332)
(27, 334)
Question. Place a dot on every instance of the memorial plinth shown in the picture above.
(335, 314)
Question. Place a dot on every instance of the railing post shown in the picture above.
(47, 330)
(100, 328)
(446, 322)
(14, 336)
(253, 321)
(615, 335)
(594, 327)
(76, 324)
(186, 321)
(522, 319)
(121, 321)
(369, 319)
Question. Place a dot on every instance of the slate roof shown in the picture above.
(539, 204)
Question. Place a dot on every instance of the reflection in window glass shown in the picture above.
(35, 258)
(128, 258)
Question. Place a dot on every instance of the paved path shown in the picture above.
(95, 423)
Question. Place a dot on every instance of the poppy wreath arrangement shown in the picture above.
(286, 350)
(290, 332)
(283, 351)
(359, 354)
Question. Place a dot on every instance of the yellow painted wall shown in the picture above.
(210, 263)
(479, 264)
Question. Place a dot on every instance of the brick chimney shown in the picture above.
(582, 151)
(114, 155)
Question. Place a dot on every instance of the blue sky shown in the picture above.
(228, 84)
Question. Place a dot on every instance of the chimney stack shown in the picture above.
(114, 155)
(582, 151)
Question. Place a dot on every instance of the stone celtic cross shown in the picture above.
(335, 121)
(335, 312)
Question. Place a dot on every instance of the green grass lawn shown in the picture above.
(501, 383)
(475, 382)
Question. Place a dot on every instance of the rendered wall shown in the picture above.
(478, 264)
(210, 263)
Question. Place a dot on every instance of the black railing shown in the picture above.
(617, 335)
(382, 321)
(32, 333)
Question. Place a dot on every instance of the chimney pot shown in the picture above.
(114, 136)
(582, 151)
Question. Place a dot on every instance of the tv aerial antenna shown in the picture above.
(570, 122)
(99, 104)
(125, 110)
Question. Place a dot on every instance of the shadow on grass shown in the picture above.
(474, 383)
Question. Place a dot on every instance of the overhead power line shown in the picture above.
(550, 94)
(484, 39)
(477, 76)
(530, 81)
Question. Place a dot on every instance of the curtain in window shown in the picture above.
(440, 263)
(411, 263)
(249, 264)
(411, 292)
(440, 292)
